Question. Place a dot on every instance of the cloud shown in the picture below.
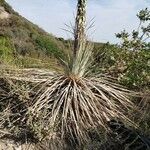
(111, 16)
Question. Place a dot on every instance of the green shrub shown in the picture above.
(137, 74)
(132, 68)
(49, 46)
(6, 49)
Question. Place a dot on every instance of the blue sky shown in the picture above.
(110, 16)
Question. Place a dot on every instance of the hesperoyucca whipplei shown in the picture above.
(75, 101)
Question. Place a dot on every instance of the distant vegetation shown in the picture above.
(27, 41)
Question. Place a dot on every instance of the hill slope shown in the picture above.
(24, 41)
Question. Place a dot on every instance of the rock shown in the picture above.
(10, 145)
(3, 13)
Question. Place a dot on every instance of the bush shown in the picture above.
(130, 67)
(138, 69)
(6, 49)
(49, 46)
(129, 62)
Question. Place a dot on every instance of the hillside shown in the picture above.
(24, 43)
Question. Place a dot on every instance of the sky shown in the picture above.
(110, 16)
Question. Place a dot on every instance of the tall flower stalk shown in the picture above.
(82, 49)
(80, 25)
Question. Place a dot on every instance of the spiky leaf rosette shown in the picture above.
(78, 104)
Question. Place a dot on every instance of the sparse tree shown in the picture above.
(79, 31)
(139, 38)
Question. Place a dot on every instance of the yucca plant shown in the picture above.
(75, 101)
